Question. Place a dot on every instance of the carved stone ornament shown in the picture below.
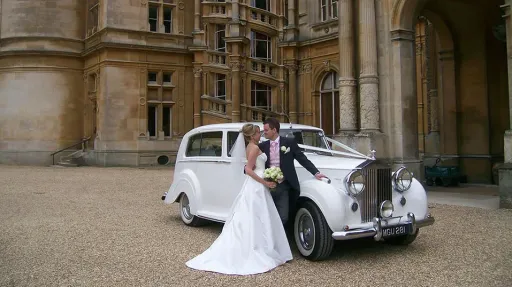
(181, 5)
(198, 71)
(143, 3)
(369, 106)
(142, 101)
(327, 65)
(305, 68)
(235, 65)
(292, 68)
(348, 106)
(346, 82)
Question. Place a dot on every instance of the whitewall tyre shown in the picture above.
(186, 216)
(312, 235)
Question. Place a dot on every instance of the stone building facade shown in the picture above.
(414, 80)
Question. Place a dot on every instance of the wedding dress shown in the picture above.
(253, 239)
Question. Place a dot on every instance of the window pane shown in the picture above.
(335, 8)
(166, 121)
(167, 26)
(152, 77)
(194, 145)
(220, 37)
(262, 4)
(327, 85)
(152, 114)
(221, 85)
(167, 78)
(261, 50)
(232, 136)
(211, 144)
(153, 12)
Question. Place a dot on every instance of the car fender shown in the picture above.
(416, 201)
(189, 184)
(329, 200)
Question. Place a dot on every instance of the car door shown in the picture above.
(235, 178)
(211, 170)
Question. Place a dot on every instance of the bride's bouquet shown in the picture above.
(273, 174)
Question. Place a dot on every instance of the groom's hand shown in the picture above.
(319, 176)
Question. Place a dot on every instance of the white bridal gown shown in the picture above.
(253, 239)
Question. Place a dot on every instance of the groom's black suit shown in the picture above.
(288, 192)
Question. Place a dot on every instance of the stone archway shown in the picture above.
(469, 91)
(436, 89)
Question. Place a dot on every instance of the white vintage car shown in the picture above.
(362, 197)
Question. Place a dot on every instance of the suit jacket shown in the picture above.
(287, 160)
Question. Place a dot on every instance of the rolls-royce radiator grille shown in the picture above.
(378, 188)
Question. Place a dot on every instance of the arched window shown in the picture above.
(330, 104)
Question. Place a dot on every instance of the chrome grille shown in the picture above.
(378, 189)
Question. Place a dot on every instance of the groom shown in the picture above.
(281, 152)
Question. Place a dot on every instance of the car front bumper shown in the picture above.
(375, 230)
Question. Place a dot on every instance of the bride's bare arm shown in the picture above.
(252, 153)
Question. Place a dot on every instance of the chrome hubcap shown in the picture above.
(185, 207)
(306, 232)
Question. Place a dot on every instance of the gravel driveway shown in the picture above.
(108, 227)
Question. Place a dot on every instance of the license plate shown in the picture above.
(395, 230)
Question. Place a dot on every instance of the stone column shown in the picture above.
(197, 15)
(291, 29)
(235, 89)
(505, 178)
(347, 82)
(403, 136)
(448, 117)
(197, 95)
(368, 78)
(292, 90)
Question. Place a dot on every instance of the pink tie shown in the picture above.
(274, 154)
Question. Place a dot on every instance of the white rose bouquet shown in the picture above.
(273, 174)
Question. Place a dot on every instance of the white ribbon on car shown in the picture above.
(351, 153)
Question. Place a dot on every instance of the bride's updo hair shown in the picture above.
(248, 130)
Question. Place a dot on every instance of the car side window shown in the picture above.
(232, 136)
(205, 144)
(194, 145)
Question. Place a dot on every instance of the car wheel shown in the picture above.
(313, 236)
(186, 216)
(404, 239)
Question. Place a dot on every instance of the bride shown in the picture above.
(253, 239)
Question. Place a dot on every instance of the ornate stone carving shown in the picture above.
(292, 68)
(236, 65)
(327, 65)
(369, 106)
(181, 5)
(305, 68)
(197, 71)
(142, 101)
(143, 3)
(344, 82)
(348, 108)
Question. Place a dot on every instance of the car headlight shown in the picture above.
(386, 209)
(355, 182)
(402, 179)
